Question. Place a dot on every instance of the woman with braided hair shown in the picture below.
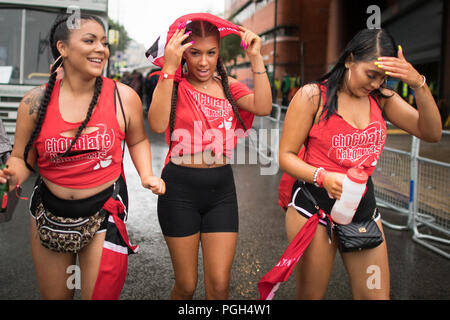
(73, 129)
(200, 113)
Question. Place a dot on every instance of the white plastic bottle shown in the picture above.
(353, 188)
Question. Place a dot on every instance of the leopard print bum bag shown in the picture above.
(64, 234)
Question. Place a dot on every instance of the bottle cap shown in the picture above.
(357, 175)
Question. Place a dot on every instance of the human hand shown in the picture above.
(155, 184)
(401, 69)
(333, 184)
(250, 42)
(8, 176)
(174, 50)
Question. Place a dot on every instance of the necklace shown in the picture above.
(204, 86)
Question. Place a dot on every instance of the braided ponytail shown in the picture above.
(40, 116)
(224, 77)
(173, 110)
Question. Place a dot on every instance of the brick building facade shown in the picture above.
(310, 35)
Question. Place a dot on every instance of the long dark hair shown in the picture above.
(366, 45)
(204, 29)
(61, 32)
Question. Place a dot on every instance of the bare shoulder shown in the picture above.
(127, 94)
(232, 80)
(32, 99)
(387, 96)
(307, 96)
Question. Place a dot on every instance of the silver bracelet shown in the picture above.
(423, 83)
(315, 176)
(259, 72)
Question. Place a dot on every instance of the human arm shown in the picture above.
(17, 172)
(259, 103)
(136, 139)
(423, 122)
(301, 113)
(159, 112)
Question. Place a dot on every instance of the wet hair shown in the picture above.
(366, 45)
(61, 32)
(204, 29)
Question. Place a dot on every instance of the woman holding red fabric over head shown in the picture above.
(74, 129)
(340, 121)
(200, 113)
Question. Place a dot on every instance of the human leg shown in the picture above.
(184, 255)
(313, 270)
(369, 271)
(50, 268)
(89, 258)
(218, 250)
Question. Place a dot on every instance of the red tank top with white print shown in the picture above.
(204, 122)
(95, 158)
(336, 145)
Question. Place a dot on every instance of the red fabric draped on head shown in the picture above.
(155, 54)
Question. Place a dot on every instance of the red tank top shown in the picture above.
(204, 122)
(336, 145)
(98, 156)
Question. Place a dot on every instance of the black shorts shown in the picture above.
(197, 200)
(366, 210)
(75, 208)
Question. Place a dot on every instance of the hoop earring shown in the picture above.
(60, 66)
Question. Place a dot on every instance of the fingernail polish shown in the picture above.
(400, 47)
(189, 32)
(192, 42)
(242, 44)
(379, 59)
(387, 72)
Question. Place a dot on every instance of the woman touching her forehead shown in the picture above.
(73, 129)
(200, 205)
(352, 101)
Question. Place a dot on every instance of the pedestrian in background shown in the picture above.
(150, 84)
(137, 83)
(348, 101)
(73, 129)
(200, 205)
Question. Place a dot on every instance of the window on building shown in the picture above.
(281, 31)
(37, 52)
(250, 10)
(10, 26)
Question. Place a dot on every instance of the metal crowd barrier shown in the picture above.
(269, 129)
(416, 188)
(431, 202)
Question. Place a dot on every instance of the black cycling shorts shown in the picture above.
(197, 200)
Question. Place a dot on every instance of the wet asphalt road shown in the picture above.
(416, 272)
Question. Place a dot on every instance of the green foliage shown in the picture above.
(124, 39)
(230, 48)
